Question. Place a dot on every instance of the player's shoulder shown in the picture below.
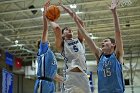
(119, 57)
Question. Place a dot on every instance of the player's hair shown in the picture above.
(64, 29)
(62, 44)
(112, 41)
(38, 43)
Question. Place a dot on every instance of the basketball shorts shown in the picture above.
(76, 82)
(43, 86)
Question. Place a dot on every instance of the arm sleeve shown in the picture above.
(43, 47)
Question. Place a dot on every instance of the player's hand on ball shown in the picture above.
(46, 5)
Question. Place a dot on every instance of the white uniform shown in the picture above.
(74, 53)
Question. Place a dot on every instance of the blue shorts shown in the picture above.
(43, 86)
(110, 91)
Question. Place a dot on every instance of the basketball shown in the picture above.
(53, 12)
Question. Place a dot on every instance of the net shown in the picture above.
(125, 2)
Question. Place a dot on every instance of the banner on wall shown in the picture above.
(7, 82)
(18, 63)
(2, 55)
(9, 58)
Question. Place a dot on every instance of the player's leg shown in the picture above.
(77, 83)
(48, 87)
(36, 87)
(82, 82)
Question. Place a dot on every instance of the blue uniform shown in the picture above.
(110, 78)
(47, 68)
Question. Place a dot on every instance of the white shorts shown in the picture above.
(76, 82)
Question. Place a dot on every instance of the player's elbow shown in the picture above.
(58, 47)
(56, 28)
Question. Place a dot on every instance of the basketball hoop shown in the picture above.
(125, 2)
(122, 2)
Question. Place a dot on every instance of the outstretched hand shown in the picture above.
(58, 78)
(113, 5)
(46, 5)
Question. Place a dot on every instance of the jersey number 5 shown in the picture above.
(75, 48)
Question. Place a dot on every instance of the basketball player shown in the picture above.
(73, 50)
(109, 57)
(47, 64)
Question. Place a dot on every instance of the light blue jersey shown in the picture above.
(47, 68)
(110, 78)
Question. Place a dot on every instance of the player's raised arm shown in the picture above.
(58, 35)
(90, 42)
(58, 78)
(45, 24)
(71, 13)
(52, 14)
(119, 43)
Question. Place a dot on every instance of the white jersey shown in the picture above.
(75, 82)
(74, 52)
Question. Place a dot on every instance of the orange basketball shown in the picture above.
(53, 12)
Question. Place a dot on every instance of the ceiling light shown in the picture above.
(90, 34)
(42, 9)
(73, 6)
(92, 37)
(65, 14)
(16, 42)
(79, 12)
